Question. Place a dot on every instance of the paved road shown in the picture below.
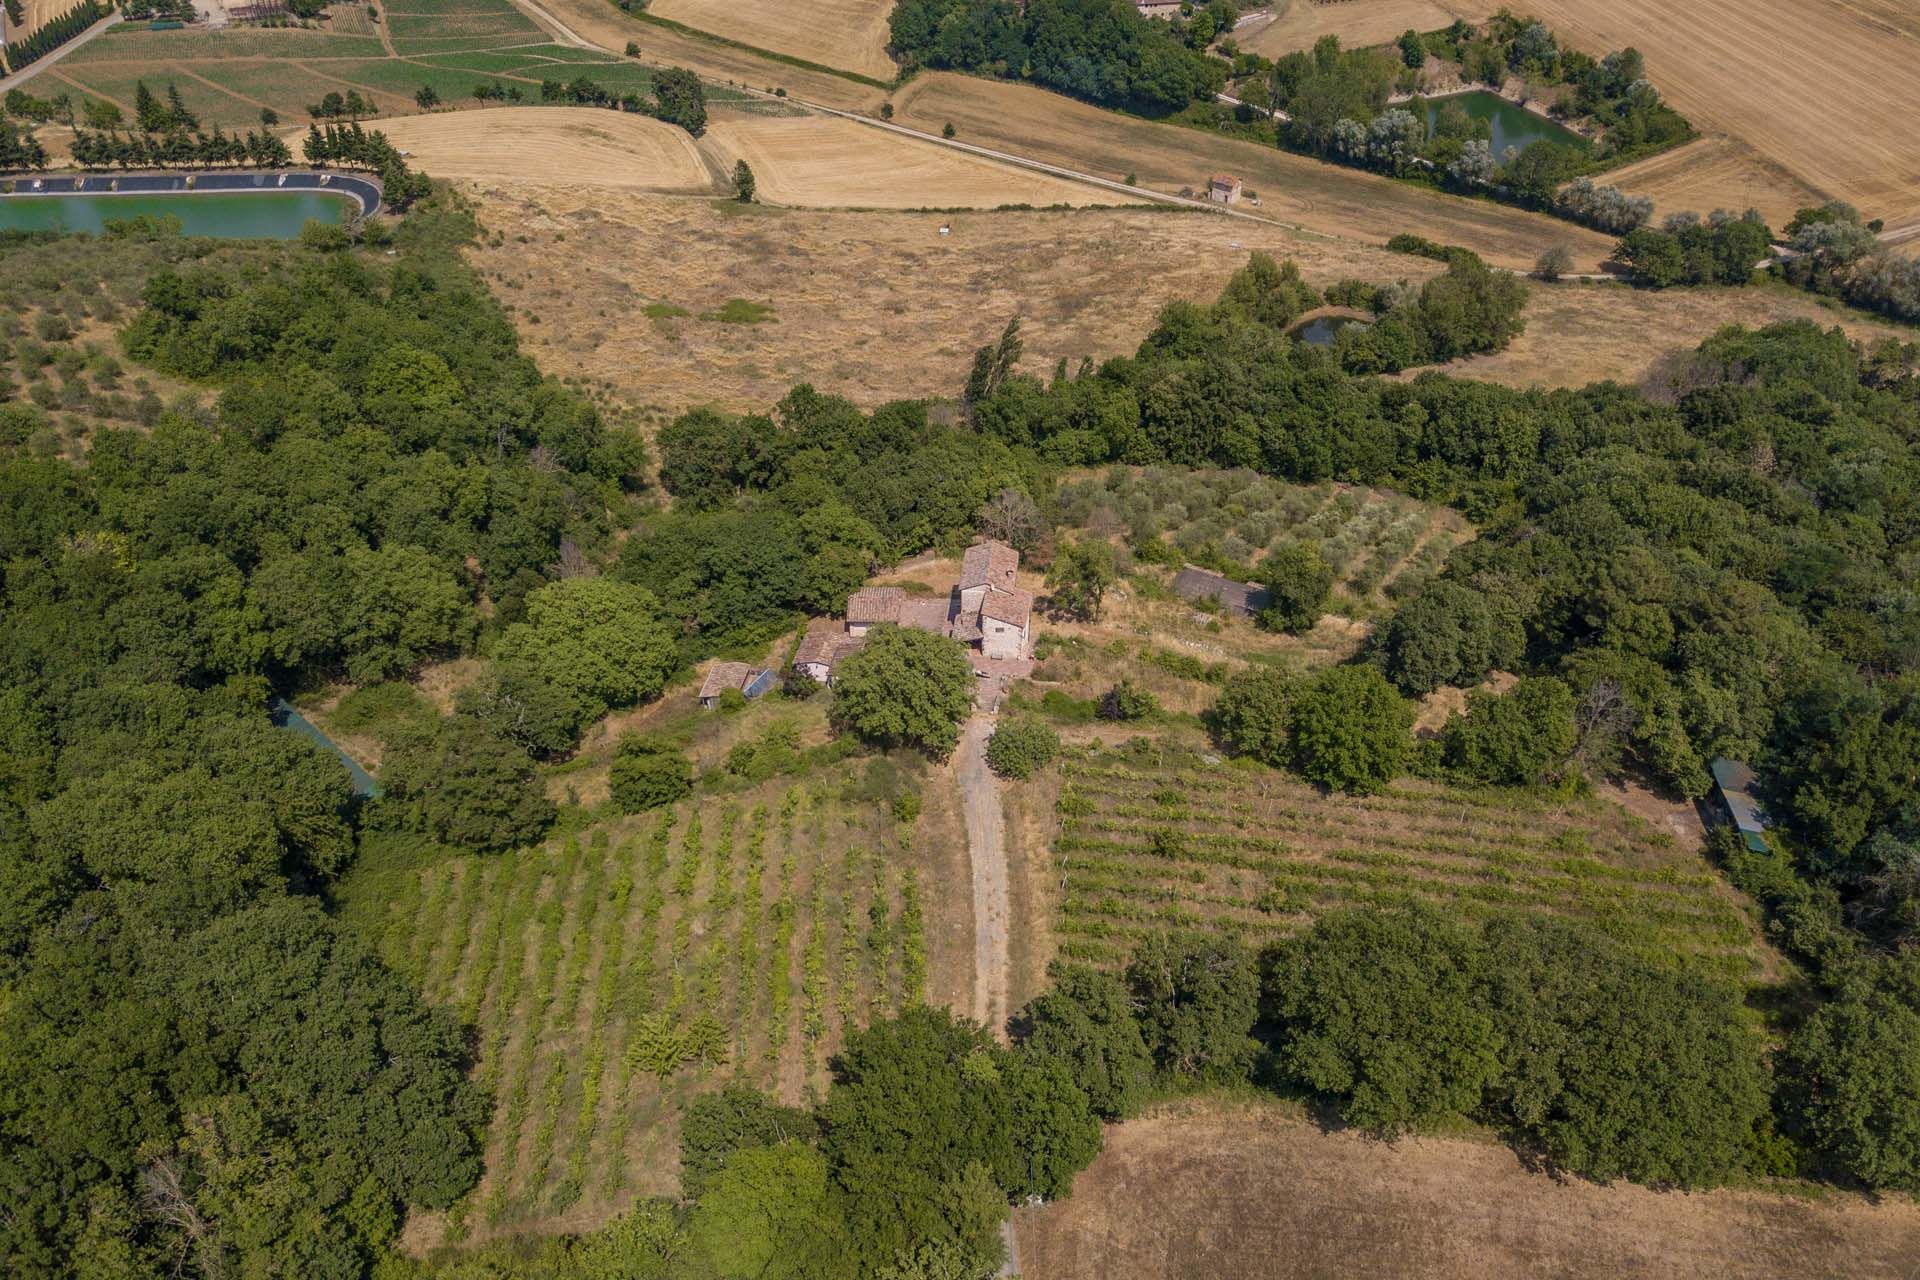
(32, 69)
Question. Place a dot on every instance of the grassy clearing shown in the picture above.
(747, 931)
(1158, 836)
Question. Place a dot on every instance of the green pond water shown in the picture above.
(1322, 330)
(227, 215)
(1512, 126)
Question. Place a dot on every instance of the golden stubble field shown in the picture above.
(1297, 24)
(1243, 1191)
(822, 161)
(546, 145)
(848, 34)
(1319, 197)
(1825, 89)
(872, 305)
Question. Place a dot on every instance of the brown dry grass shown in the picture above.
(1364, 22)
(1577, 334)
(1824, 88)
(1715, 173)
(1231, 1191)
(604, 25)
(873, 306)
(849, 34)
(541, 144)
(1319, 197)
(829, 162)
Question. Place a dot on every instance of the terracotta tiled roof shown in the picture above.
(927, 613)
(988, 564)
(722, 676)
(817, 645)
(875, 604)
(1010, 607)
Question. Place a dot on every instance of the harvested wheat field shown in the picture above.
(1578, 334)
(542, 144)
(1825, 88)
(606, 26)
(1357, 23)
(1715, 173)
(873, 306)
(1234, 1192)
(829, 162)
(848, 34)
(1318, 197)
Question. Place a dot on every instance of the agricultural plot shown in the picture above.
(850, 35)
(452, 46)
(1381, 544)
(635, 151)
(1297, 25)
(612, 975)
(1155, 838)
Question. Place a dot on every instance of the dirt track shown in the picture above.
(987, 848)
(1251, 1193)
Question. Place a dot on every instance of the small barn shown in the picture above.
(750, 681)
(871, 606)
(1241, 599)
(1005, 623)
(1735, 782)
(1224, 188)
(822, 649)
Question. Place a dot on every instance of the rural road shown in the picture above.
(38, 65)
(987, 852)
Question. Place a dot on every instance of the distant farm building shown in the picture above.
(1224, 188)
(1735, 782)
(1158, 8)
(984, 611)
(1241, 599)
(749, 681)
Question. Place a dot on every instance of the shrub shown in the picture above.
(648, 773)
(1521, 738)
(1254, 714)
(1351, 730)
(1126, 702)
(1020, 746)
(1196, 999)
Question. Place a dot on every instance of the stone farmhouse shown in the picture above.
(722, 676)
(984, 611)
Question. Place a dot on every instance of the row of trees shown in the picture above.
(1723, 248)
(112, 149)
(19, 149)
(1835, 251)
(54, 33)
(1102, 51)
(353, 146)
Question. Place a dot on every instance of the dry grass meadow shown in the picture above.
(1318, 197)
(848, 34)
(1825, 89)
(1716, 172)
(826, 161)
(1235, 1192)
(874, 306)
(548, 145)
(1297, 24)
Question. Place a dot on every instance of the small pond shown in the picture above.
(1322, 330)
(1513, 126)
(227, 215)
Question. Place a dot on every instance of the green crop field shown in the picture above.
(1158, 836)
(743, 934)
(227, 76)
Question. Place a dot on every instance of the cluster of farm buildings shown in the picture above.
(984, 611)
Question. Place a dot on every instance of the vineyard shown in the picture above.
(1382, 544)
(1155, 837)
(611, 975)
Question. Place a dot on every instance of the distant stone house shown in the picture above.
(1241, 599)
(823, 648)
(1224, 188)
(1006, 617)
(1158, 8)
(750, 681)
(1735, 782)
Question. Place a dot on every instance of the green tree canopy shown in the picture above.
(1351, 730)
(1196, 999)
(905, 688)
(1299, 581)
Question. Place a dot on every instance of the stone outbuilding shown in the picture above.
(750, 681)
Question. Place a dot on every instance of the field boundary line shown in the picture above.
(785, 59)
